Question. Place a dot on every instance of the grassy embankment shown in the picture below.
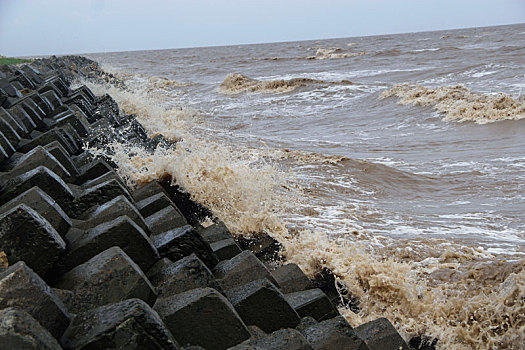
(9, 60)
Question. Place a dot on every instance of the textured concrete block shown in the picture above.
(52, 98)
(164, 220)
(130, 324)
(93, 170)
(177, 277)
(43, 139)
(38, 156)
(6, 145)
(20, 331)
(107, 278)
(23, 289)
(20, 128)
(148, 190)
(23, 117)
(95, 195)
(261, 304)
(27, 236)
(153, 204)
(31, 108)
(44, 205)
(334, 334)
(225, 249)
(380, 335)
(183, 241)
(60, 153)
(312, 302)
(10, 134)
(241, 269)
(121, 232)
(48, 181)
(216, 232)
(43, 103)
(202, 317)
(291, 278)
(116, 207)
(75, 119)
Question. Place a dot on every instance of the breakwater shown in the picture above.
(89, 262)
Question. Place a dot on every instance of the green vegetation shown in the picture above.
(8, 60)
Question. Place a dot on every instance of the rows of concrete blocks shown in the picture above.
(94, 264)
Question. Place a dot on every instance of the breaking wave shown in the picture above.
(460, 104)
(237, 83)
(457, 294)
(334, 53)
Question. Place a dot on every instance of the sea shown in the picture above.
(396, 161)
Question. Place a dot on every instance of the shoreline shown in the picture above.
(83, 213)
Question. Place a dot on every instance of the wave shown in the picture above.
(237, 83)
(428, 287)
(333, 53)
(460, 104)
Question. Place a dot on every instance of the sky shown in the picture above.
(45, 27)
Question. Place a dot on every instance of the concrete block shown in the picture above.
(156, 274)
(164, 220)
(60, 84)
(20, 331)
(44, 205)
(21, 115)
(43, 139)
(20, 128)
(381, 335)
(52, 98)
(116, 207)
(121, 232)
(36, 157)
(76, 119)
(291, 278)
(11, 135)
(334, 334)
(32, 110)
(27, 236)
(261, 304)
(6, 145)
(3, 155)
(183, 241)
(130, 324)
(107, 278)
(148, 190)
(312, 302)
(202, 317)
(289, 339)
(225, 249)
(92, 170)
(240, 270)
(194, 212)
(48, 181)
(43, 103)
(23, 289)
(60, 153)
(153, 204)
(266, 248)
(95, 195)
(173, 278)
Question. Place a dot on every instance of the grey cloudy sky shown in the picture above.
(39, 27)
